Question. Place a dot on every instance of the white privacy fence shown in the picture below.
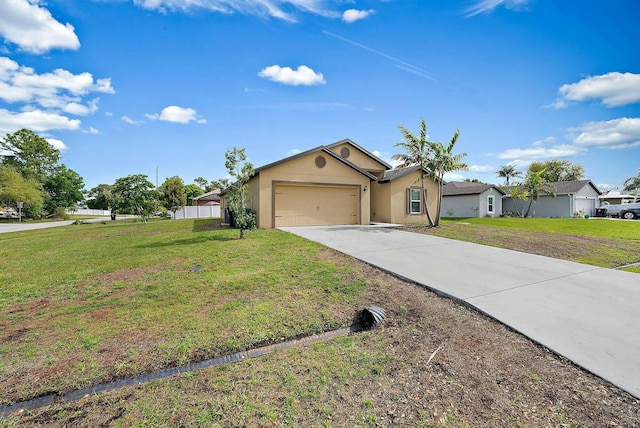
(85, 211)
(198, 212)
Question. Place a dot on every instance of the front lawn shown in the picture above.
(91, 303)
(598, 242)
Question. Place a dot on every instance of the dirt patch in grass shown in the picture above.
(433, 362)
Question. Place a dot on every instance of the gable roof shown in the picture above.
(213, 195)
(457, 188)
(573, 186)
(566, 187)
(396, 173)
(318, 149)
(362, 150)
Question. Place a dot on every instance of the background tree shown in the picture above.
(417, 152)
(206, 185)
(99, 197)
(632, 184)
(63, 190)
(15, 188)
(172, 194)
(191, 191)
(558, 170)
(237, 197)
(134, 194)
(30, 154)
(508, 172)
(536, 184)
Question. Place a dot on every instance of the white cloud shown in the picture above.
(33, 29)
(614, 134)
(36, 120)
(59, 89)
(93, 130)
(280, 9)
(131, 121)
(481, 168)
(613, 89)
(353, 15)
(287, 76)
(525, 156)
(452, 176)
(177, 115)
(57, 144)
(485, 6)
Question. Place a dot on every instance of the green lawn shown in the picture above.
(594, 227)
(91, 303)
(88, 303)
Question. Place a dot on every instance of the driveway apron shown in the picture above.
(589, 315)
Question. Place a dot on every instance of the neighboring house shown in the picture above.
(341, 183)
(615, 197)
(570, 198)
(207, 199)
(467, 199)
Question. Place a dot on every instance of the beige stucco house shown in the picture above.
(341, 183)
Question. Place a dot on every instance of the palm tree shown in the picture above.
(508, 172)
(417, 153)
(536, 184)
(518, 192)
(433, 158)
(632, 183)
(441, 162)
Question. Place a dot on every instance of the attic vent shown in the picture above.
(345, 152)
(320, 161)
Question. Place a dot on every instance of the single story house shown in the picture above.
(341, 183)
(570, 198)
(615, 197)
(211, 198)
(468, 199)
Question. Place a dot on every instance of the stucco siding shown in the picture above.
(460, 206)
(545, 206)
(358, 158)
(391, 204)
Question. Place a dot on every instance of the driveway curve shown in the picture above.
(585, 313)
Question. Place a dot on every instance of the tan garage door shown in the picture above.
(314, 205)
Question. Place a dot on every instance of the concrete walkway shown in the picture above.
(587, 314)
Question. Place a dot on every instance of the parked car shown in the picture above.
(627, 211)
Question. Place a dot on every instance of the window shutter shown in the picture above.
(408, 201)
(424, 201)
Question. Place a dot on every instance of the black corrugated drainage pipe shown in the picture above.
(366, 319)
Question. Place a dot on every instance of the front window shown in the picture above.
(490, 202)
(415, 201)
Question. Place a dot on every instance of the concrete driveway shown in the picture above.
(587, 314)
(16, 227)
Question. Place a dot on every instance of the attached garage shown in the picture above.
(298, 204)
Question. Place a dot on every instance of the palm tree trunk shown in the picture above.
(528, 208)
(424, 200)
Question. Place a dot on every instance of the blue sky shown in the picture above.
(138, 86)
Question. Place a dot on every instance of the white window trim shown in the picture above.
(411, 201)
(491, 204)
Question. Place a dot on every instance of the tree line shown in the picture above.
(31, 173)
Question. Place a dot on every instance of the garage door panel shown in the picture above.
(315, 205)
